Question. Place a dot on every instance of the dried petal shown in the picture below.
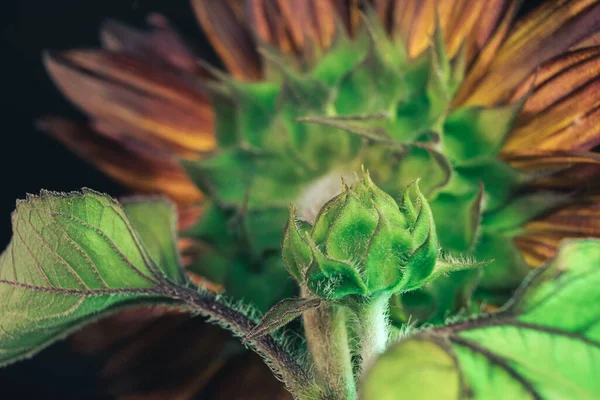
(544, 235)
(126, 161)
(569, 124)
(551, 29)
(162, 44)
(230, 37)
(486, 54)
(554, 83)
(154, 103)
(293, 26)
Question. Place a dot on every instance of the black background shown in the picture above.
(30, 161)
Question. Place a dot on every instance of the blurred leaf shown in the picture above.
(545, 344)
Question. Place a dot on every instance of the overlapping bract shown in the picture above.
(364, 243)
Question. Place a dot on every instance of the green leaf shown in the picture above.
(544, 344)
(75, 256)
(155, 221)
(418, 369)
(281, 314)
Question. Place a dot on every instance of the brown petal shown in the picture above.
(422, 27)
(349, 13)
(544, 235)
(247, 377)
(581, 220)
(385, 11)
(175, 357)
(309, 19)
(230, 37)
(591, 41)
(553, 68)
(126, 161)
(556, 81)
(154, 103)
(490, 20)
(293, 26)
(551, 29)
(568, 124)
(486, 55)
(405, 13)
(459, 21)
(559, 170)
(537, 249)
(188, 216)
(162, 44)
(269, 25)
(544, 160)
(465, 19)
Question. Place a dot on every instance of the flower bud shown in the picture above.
(363, 243)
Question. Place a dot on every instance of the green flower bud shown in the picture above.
(363, 243)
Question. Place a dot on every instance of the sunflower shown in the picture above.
(497, 116)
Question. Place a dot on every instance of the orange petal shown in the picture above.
(459, 20)
(592, 41)
(269, 25)
(489, 20)
(162, 44)
(554, 83)
(126, 160)
(549, 30)
(405, 13)
(385, 11)
(230, 37)
(543, 160)
(553, 68)
(568, 124)
(486, 55)
(293, 26)
(155, 103)
(188, 216)
(204, 283)
(309, 19)
(537, 249)
(543, 236)
(422, 27)
(579, 220)
(464, 21)
(349, 13)
(559, 170)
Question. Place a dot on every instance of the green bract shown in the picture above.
(287, 139)
(364, 243)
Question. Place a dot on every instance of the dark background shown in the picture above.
(30, 161)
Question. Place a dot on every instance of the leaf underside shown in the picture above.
(544, 344)
(76, 257)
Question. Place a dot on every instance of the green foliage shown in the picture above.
(544, 344)
(364, 243)
(76, 257)
(80, 256)
(364, 102)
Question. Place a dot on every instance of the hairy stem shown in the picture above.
(373, 328)
(296, 378)
(327, 339)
